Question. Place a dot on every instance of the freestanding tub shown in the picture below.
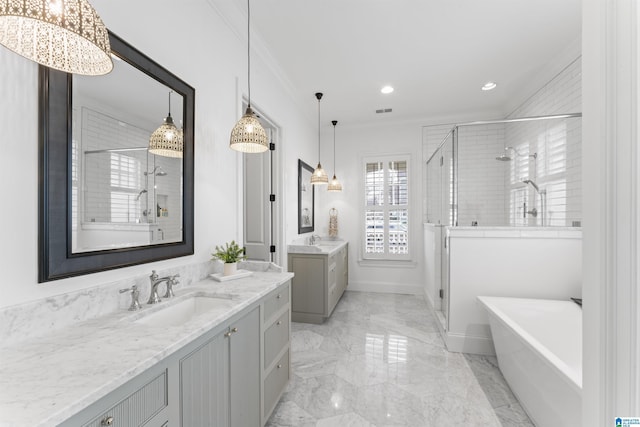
(539, 348)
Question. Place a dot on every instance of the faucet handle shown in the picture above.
(135, 294)
(171, 282)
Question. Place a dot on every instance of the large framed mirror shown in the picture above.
(105, 200)
(306, 198)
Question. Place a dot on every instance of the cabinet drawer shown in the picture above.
(276, 338)
(275, 383)
(276, 301)
(137, 408)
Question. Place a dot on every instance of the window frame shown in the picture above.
(386, 208)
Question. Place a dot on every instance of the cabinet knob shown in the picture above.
(278, 296)
(279, 366)
(234, 330)
(227, 334)
(107, 421)
(279, 322)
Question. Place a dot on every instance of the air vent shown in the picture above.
(384, 110)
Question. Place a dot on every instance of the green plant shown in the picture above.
(229, 253)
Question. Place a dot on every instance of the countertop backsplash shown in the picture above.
(37, 318)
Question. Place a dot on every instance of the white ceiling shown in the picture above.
(435, 53)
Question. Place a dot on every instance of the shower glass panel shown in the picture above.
(515, 172)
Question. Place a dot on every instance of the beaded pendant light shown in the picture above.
(319, 176)
(248, 135)
(334, 184)
(167, 140)
(67, 35)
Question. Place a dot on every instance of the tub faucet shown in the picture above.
(155, 281)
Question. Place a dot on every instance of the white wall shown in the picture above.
(352, 144)
(205, 50)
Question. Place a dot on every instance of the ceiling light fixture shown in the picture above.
(62, 34)
(167, 140)
(489, 86)
(386, 89)
(319, 176)
(248, 135)
(334, 185)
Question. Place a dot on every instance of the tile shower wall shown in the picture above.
(558, 144)
(491, 193)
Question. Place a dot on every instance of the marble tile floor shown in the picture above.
(379, 361)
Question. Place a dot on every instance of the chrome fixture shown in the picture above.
(61, 34)
(334, 185)
(160, 172)
(248, 135)
(135, 294)
(313, 239)
(166, 140)
(543, 202)
(141, 193)
(504, 157)
(319, 176)
(155, 281)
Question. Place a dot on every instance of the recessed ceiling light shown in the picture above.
(386, 89)
(489, 86)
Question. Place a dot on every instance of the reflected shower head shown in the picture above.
(504, 158)
(160, 172)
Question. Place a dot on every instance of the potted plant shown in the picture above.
(230, 254)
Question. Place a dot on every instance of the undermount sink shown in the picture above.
(185, 310)
(323, 246)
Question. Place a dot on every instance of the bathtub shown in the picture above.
(539, 348)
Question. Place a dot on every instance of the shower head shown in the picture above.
(504, 158)
(141, 193)
(160, 172)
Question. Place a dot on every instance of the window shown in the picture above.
(386, 213)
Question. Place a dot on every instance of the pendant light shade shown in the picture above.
(319, 176)
(248, 135)
(66, 35)
(334, 184)
(167, 140)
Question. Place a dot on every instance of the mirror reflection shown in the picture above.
(305, 198)
(122, 195)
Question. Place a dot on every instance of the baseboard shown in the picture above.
(386, 288)
(458, 343)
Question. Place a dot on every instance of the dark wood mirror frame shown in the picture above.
(56, 259)
(302, 166)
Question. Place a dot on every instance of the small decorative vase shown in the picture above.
(230, 268)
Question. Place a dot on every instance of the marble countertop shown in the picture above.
(47, 380)
(323, 247)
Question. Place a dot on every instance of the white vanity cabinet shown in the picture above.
(319, 282)
(220, 380)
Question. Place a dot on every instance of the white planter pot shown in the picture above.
(230, 268)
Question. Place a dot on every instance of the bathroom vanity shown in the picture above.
(216, 354)
(321, 277)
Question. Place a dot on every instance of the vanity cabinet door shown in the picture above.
(220, 380)
(245, 370)
(204, 384)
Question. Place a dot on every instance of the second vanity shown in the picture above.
(227, 365)
(321, 277)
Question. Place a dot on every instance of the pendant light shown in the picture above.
(319, 176)
(334, 185)
(167, 140)
(66, 35)
(248, 135)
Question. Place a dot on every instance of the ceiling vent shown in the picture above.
(384, 110)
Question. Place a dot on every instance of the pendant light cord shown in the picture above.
(335, 122)
(249, 51)
(319, 131)
(169, 104)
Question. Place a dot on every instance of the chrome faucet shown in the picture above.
(155, 281)
(313, 239)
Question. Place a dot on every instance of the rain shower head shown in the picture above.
(160, 172)
(504, 157)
